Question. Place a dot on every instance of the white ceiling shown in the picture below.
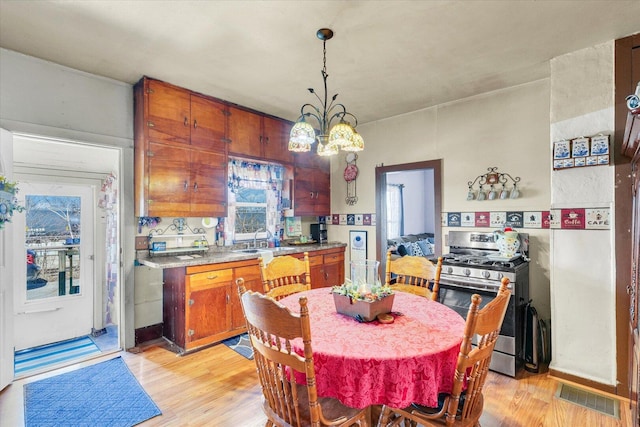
(386, 58)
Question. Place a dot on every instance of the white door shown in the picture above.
(6, 272)
(53, 259)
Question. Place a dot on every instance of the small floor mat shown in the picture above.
(597, 402)
(104, 394)
(241, 345)
(36, 359)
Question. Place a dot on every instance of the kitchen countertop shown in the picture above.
(217, 255)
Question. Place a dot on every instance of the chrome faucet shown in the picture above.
(255, 237)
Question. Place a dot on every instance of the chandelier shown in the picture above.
(332, 138)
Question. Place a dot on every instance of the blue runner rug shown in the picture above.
(241, 345)
(35, 359)
(105, 394)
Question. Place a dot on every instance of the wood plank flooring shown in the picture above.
(218, 387)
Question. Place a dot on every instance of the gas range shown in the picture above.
(474, 266)
(475, 259)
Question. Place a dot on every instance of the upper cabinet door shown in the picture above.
(208, 123)
(168, 113)
(244, 132)
(275, 139)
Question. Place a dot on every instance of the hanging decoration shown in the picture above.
(350, 175)
(493, 185)
(8, 201)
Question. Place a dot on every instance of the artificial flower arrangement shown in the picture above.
(8, 201)
(363, 302)
(362, 292)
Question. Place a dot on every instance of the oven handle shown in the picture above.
(475, 286)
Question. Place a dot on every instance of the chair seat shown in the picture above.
(332, 409)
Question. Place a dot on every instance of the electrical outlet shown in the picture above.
(142, 243)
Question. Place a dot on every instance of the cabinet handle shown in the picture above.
(317, 194)
(311, 194)
(211, 276)
(186, 121)
(261, 139)
(195, 186)
(195, 123)
(266, 140)
(227, 298)
(151, 124)
(186, 186)
(326, 276)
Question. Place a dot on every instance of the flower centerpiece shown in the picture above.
(362, 301)
(8, 200)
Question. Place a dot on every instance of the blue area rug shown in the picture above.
(241, 345)
(105, 394)
(37, 359)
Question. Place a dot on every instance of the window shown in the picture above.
(251, 213)
(395, 211)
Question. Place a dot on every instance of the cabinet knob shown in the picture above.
(150, 124)
(195, 123)
(186, 121)
(195, 186)
(186, 186)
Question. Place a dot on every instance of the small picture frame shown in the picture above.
(592, 160)
(603, 160)
(567, 163)
(558, 164)
(561, 149)
(600, 145)
(357, 245)
(580, 161)
(580, 147)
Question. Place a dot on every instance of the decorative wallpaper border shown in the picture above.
(564, 219)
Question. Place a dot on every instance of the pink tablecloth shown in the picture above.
(363, 364)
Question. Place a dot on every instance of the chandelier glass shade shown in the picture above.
(331, 137)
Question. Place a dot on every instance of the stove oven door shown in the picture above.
(458, 298)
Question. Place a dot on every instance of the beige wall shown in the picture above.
(582, 273)
(508, 129)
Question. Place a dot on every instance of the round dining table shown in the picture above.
(396, 364)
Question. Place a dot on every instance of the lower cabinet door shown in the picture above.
(252, 282)
(206, 313)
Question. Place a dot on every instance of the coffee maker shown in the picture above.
(319, 232)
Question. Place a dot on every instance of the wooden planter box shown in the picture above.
(363, 310)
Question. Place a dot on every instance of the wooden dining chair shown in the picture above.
(413, 275)
(462, 408)
(285, 275)
(287, 402)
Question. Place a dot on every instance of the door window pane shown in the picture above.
(52, 246)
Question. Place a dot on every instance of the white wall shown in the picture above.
(582, 273)
(41, 98)
(508, 129)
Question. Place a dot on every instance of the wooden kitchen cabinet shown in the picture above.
(326, 267)
(180, 152)
(183, 182)
(256, 135)
(201, 304)
(311, 191)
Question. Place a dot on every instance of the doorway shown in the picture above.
(393, 173)
(67, 254)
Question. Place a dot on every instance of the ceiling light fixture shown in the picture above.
(332, 139)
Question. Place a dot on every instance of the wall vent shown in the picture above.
(597, 402)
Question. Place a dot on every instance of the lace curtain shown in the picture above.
(260, 176)
(395, 210)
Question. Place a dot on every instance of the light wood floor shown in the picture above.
(218, 387)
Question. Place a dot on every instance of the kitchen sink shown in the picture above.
(250, 251)
(260, 250)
